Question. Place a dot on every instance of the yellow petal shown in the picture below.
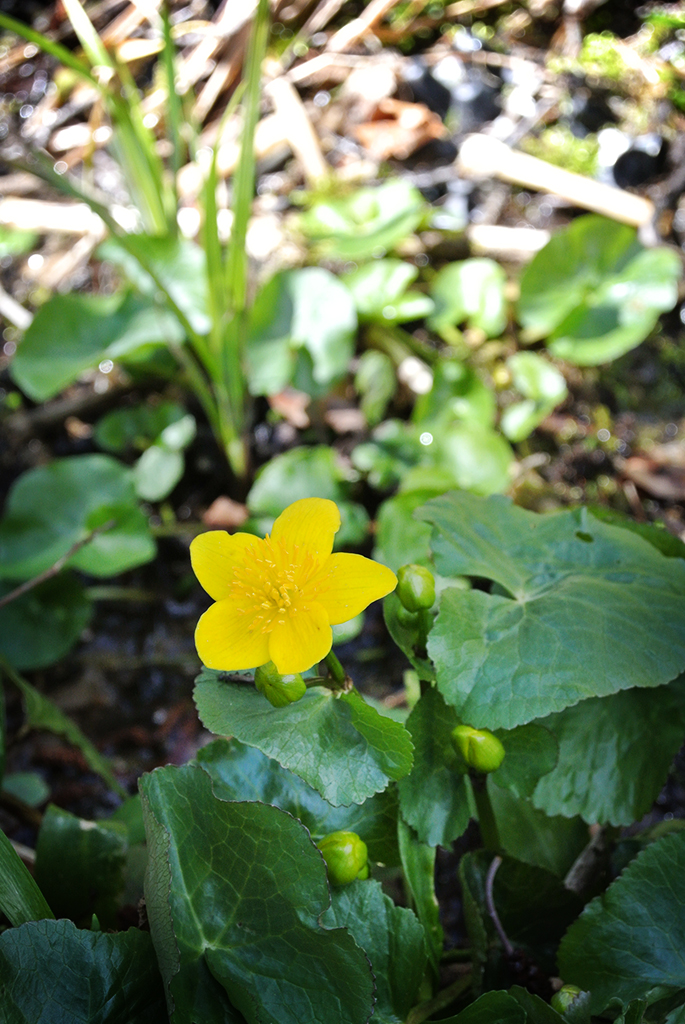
(307, 527)
(300, 639)
(215, 554)
(225, 641)
(347, 584)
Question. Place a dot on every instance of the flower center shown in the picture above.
(270, 584)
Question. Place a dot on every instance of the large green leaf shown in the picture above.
(607, 773)
(490, 1007)
(434, 798)
(368, 223)
(244, 773)
(72, 333)
(52, 973)
(595, 292)
(531, 836)
(51, 508)
(80, 865)
(470, 291)
(587, 601)
(231, 931)
(20, 898)
(338, 744)
(43, 624)
(306, 309)
(531, 751)
(400, 538)
(632, 938)
(391, 937)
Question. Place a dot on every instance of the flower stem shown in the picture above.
(486, 816)
(338, 678)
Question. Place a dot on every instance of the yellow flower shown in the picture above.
(277, 598)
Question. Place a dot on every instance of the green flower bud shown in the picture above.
(415, 587)
(279, 690)
(479, 748)
(562, 1000)
(346, 857)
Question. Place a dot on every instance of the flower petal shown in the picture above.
(310, 525)
(224, 640)
(347, 584)
(300, 639)
(215, 554)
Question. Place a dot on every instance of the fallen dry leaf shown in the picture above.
(397, 129)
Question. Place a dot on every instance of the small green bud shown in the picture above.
(346, 857)
(479, 748)
(279, 690)
(562, 1000)
(415, 587)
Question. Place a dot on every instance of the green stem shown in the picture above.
(338, 678)
(423, 1010)
(486, 815)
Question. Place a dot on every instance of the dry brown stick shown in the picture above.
(47, 574)
(482, 156)
(353, 32)
(298, 129)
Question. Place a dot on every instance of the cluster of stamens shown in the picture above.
(271, 585)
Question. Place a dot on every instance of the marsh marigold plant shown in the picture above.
(277, 598)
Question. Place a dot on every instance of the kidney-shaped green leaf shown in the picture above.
(472, 291)
(338, 744)
(595, 292)
(632, 938)
(240, 772)
(591, 610)
(392, 938)
(72, 333)
(52, 507)
(310, 309)
(234, 894)
(43, 624)
(608, 772)
(50, 971)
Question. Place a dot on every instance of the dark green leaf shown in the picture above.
(72, 333)
(457, 393)
(376, 383)
(42, 625)
(614, 754)
(490, 1008)
(434, 797)
(309, 309)
(391, 937)
(20, 898)
(531, 751)
(531, 836)
(537, 1010)
(136, 427)
(227, 926)
(581, 592)
(52, 973)
(472, 292)
(52, 507)
(79, 866)
(338, 744)
(244, 773)
(595, 291)
(632, 937)
(418, 867)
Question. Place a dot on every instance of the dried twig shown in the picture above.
(47, 574)
(490, 904)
